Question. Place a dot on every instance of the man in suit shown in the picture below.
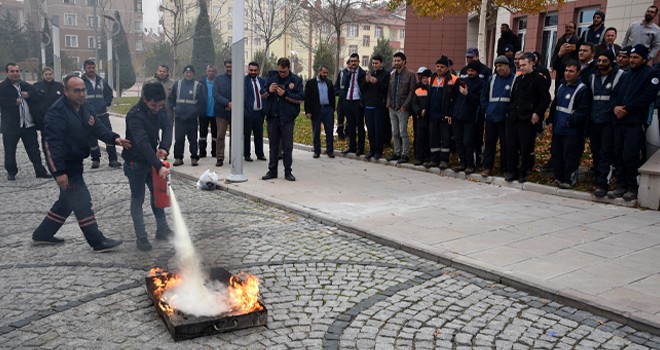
(320, 108)
(353, 106)
(608, 42)
(254, 113)
(17, 98)
(222, 97)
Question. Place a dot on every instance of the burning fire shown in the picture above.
(243, 291)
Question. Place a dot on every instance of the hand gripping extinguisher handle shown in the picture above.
(161, 187)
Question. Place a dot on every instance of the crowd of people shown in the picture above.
(603, 92)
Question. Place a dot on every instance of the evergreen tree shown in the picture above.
(123, 55)
(269, 65)
(12, 39)
(47, 37)
(384, 49)
(161, 53)
(223, 52)
(324, 55)
(203, 52)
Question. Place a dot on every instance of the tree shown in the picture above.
(47, 37)
(223, 53)
(272, 19)
(337, 14)
(123, 56)
(324, 55)
(161, 53)
(442, 8)
(269, 65)
(384, 49)
(12, 39)
(203, 52)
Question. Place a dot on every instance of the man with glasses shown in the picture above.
(69, 125)
(645, 32)
(284, 93)
(17, 99)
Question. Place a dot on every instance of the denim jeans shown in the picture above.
(138, 175)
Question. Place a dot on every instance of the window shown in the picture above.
(70, 20)
(585, 19)
(137, 26)
(352, 49)
(352, 31)
(365, 61)
(379, 32)
(230, 25)
(402, 33)
(549, 37)
(367, 28)
(366, 41)
(257, 41)
(522, 31)
(217, 10)
(139, 46)
(230, 40)
(92, 2)
(325, 28)
(91, 42)
(71, 40)
(93, 22)
(138, 5)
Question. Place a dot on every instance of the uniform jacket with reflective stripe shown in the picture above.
(187, 100)
(496, 96)
(636, 91)
(570, 109)
(420, 101)
(440, 102)
(602, 107)
(98, 95)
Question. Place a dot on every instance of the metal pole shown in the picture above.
(237, 94)
(57, 58)
(96, 35)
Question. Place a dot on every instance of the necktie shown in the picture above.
(256, 93)
(21, 107)
(350, 96)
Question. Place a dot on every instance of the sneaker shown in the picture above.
(219, 162)
(600, 192)
(47, 241)
(96, 164)
(459, 168)
(617, 193)
(194, 162)
(11, 177)
(316, 154)
(143, 244)
(402, 160)
(114, 164)
(178, 162)
(443, 165)
(630, 195)
(393, 157)
(163, 235)
(107, 244)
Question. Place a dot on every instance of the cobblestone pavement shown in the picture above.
(323, 288)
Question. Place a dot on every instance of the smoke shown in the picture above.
(196, 295)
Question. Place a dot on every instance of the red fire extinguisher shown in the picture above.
(161, 187)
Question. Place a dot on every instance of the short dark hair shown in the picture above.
(505, 25)
(377, 57)
(322, 66)
(68, 78)
(9, 64)
(284, 62)
(400, 55)
(167, 68)
(89, 63)
(653, 7)
(153, 92)
(528, 56)
(253, 63)
(226, 62)
(354, 55)
(573, 63)
(591, 45)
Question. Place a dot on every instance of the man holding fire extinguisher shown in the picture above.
(143, 123)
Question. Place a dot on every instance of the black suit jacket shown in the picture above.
(312, 101)
(11, 115)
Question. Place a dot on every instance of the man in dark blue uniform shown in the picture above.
(632, 101)
(284, 94)
(99, 95)
(69, 125)
(143, 123)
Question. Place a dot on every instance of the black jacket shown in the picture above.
(466, 107)
(11, 115)
(52, 91)
(312, 104)
(375, 95)
(529, 95)
(142, 128)
(68, 135)
(287, 106)
(420, 101)
(636, 91)
(508, 38)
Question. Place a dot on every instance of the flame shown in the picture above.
(244, 293)
(162, 282)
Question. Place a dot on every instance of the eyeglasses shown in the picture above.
(79, 91)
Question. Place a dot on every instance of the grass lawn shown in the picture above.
(124, 104)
